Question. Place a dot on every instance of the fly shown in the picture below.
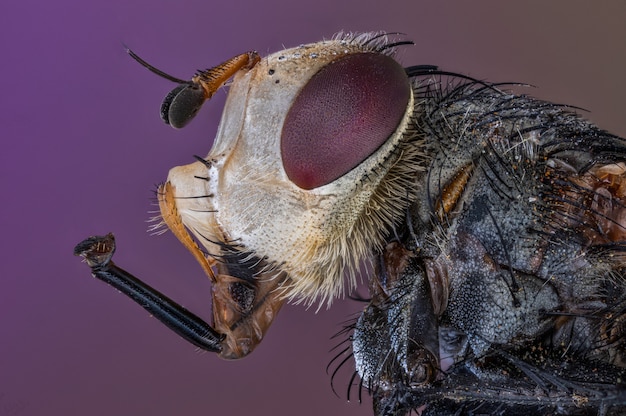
(496, 224)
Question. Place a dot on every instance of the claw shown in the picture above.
(96, 250)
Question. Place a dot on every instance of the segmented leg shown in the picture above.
(97, 252)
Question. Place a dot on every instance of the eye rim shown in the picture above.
(396, 89)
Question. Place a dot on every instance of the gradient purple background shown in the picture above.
(83, 146)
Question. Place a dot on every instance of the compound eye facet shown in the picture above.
(346, 111)
(182, 104)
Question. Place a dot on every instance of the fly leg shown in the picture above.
(97, 252)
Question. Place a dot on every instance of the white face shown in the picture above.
(290, 172)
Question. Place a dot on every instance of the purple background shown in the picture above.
(83, 146)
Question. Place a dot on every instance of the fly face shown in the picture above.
(289, 179)
(495, 221)
(302, 182)
(290, 171)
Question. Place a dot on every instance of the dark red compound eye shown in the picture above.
(341, 116)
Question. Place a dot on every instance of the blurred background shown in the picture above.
(83, 147)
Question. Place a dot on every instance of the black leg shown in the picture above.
(97, 252)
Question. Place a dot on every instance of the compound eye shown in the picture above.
(182, 104)
(346, 111)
